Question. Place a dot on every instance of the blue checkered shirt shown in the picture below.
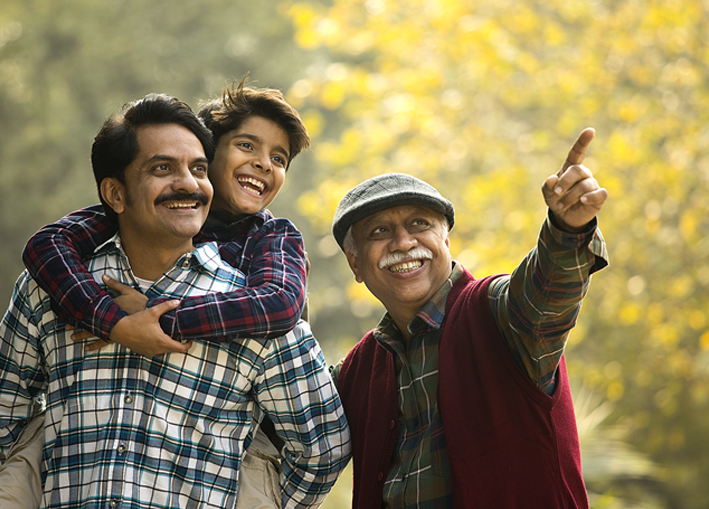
(123, 430)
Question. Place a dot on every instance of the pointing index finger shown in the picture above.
(578, 151)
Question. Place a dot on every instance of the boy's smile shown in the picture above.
(249, 167)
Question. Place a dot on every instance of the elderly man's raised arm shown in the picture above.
(537, 306)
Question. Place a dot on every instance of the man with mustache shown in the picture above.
(165, 431)
(460, 396)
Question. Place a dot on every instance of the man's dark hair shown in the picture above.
(116, 144)
(238, 103)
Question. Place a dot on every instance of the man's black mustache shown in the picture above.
(200, 197)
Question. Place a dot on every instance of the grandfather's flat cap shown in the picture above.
(383, 192)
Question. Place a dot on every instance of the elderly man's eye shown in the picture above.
(419, 224)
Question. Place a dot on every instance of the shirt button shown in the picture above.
(128, 399)
(113, 503)
(121, 449)
(380, 476)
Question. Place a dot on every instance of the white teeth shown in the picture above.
(181, 205)
(260, 186)
(406, 267)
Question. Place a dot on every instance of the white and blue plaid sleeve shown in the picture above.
(295, 390)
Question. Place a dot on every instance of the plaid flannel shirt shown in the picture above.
(535, 308)
(268, 250)
(166, 431)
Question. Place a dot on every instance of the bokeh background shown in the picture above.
(482, 98)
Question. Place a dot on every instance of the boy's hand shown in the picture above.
(140, 331)
(129, 299)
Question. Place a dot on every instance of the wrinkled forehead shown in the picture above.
(401, 213)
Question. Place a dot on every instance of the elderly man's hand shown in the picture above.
(572, 194)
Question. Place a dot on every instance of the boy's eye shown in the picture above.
(280, 160)
(245, 144)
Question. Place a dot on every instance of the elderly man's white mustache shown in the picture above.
(416, 253)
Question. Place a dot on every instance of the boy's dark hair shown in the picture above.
(238, 103)
(116, 144)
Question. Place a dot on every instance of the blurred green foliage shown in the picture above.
(483, 100)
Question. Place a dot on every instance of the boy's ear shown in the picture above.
(114, 194)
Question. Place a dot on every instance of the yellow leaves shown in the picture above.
(621, 151)
(615, 391)
(304, 17)
(333, 94)
(314, 121)
(361, 300)
(629, 314)
(704, 341)
(319, 204)
(688, 225)
(665, 335)
(681, 286)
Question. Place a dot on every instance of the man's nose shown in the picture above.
(185, 181)
(402, 240)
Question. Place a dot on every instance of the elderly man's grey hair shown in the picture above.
(348, 243)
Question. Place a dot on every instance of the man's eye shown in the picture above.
(200, 168)
(162, 167)
(419, 225)
(378, 231)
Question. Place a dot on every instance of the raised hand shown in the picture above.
(572, 194)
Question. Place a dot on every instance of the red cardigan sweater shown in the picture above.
(510, 445)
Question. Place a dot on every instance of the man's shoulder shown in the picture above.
(211, 262)
(29, 298)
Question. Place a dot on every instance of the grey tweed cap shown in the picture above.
(383, 192)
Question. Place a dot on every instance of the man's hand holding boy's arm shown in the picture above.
(573, 194)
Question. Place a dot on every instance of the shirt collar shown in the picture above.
(432, 313)
(205, 255)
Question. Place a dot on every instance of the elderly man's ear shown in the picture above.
(354, 266)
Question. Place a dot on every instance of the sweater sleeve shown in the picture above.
(53, 256)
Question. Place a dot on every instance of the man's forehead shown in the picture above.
(402, 211)
(165, 139)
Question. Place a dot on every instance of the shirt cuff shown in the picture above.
(591, 238)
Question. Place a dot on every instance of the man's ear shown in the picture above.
(352, 260)
(114, 194)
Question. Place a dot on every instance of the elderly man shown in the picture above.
(168, 431)
(460, 396)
